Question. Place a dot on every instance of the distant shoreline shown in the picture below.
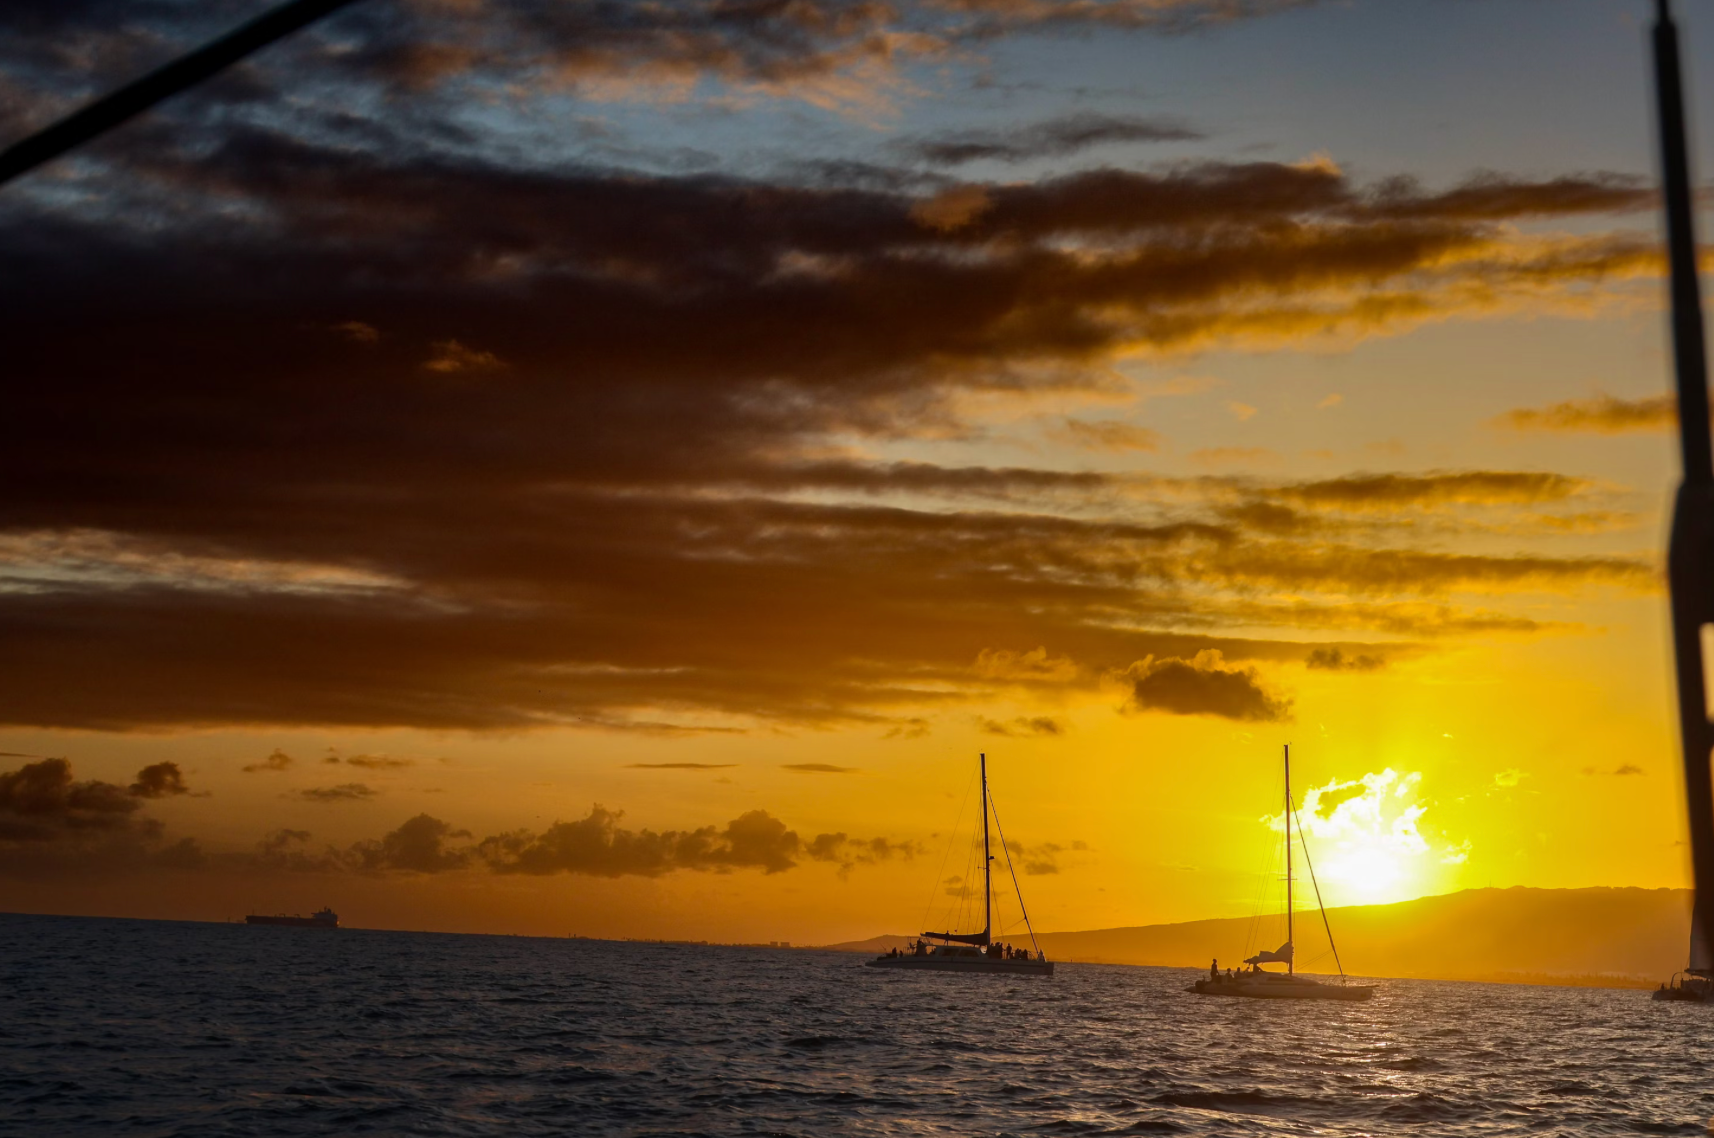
(1604, 937)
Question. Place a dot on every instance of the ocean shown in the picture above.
(164, 1028)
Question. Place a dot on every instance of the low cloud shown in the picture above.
(160, 780)
(594, 846)
(1054, 138)
(1022, 727)
(1334, 660)
(679, 766)
(1202, 685)
(52, 822)
(818, 768)
(372, 762)
(1042, 858)
(277, 760)
(418, 846)
(1602, 414)
(598, 846)
(41, 802)
(345, 792)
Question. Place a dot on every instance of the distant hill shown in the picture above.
(1594, 937)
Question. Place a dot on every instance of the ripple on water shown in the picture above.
(157, 1028)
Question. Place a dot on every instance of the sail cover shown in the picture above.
(1701, 957)
(981, 939)
(1280, 955)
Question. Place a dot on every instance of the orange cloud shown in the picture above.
(1602, 414)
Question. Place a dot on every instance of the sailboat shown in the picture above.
(1259, 983)
(975, 952)
(1696, 983)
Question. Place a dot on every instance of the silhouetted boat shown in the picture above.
(975, 952)
(1288, 985)
(325, 919)
(1696, 983)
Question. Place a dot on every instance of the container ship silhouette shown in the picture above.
(325, 919)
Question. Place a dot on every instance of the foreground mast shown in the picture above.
(1689, 560)
(1291, 954)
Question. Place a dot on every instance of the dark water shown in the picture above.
(154, 1028)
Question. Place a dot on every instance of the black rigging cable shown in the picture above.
(136, 97)
(1010, 868)
(1324, 923)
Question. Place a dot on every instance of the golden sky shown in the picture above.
(518, 468)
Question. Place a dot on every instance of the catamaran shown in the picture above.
(1696, 983)
(976, 952)
(1259, 983)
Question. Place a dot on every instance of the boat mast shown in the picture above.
(1290, 964)
(1687, 559)
(987, 862)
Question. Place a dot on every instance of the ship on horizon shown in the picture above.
(325, 918)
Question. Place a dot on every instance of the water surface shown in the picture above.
(162, 1028)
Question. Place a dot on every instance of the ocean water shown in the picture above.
(159, 1028)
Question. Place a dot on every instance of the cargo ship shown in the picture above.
(325, 919)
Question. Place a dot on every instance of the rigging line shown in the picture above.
(1324, 922)
(1010, 868)
(951, 837)
(134, 98)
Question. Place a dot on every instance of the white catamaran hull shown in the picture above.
(930, 964)
(1282, 988)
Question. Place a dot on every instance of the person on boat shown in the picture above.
(1214, 969)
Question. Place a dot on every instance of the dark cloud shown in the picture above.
(1329, 799)
(41, 802)
(277, 760)
(1334, 660)
(817, 768)
(1203, 685)
(679, 766)
(1602, 414)
(160, 780)
(565, 479)
(1054, 138)
(1022, 727)
(599, 846)
(373, 762)
(345, 792)
(52, 823)
(418, 846)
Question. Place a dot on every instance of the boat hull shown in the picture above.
(1283, 988)
(1681, 995)
(955, 964)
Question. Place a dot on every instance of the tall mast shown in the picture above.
(1688, 550)
(987, 862)
(1290, 964)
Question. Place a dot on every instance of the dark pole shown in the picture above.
(134, 98)
(1688, 560)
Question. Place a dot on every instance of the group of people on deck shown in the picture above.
(996, 950)
(1214, 971)
(1007, 952)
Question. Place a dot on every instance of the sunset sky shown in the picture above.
(609, 468)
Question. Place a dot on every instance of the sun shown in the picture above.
(1367, 870)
